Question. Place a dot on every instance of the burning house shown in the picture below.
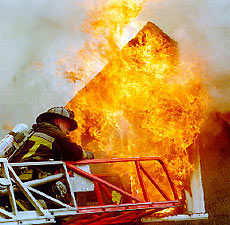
(145, 103)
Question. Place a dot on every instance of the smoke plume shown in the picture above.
(34, 35)
(202, 30)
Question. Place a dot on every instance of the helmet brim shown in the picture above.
(47, 116)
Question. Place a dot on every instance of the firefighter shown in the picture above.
(49, 139)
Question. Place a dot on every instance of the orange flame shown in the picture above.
(144, 102)
(109, 25)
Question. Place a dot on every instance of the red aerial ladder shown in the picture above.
(102, 210)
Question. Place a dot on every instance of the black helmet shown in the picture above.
(58, 112)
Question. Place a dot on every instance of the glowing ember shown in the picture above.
(144, 102)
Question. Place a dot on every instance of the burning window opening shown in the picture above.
(145, 103)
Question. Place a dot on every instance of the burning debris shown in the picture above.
(143, 103)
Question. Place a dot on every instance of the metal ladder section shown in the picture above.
(11, 185)
(132, 209)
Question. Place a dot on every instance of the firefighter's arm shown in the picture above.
(70, 151)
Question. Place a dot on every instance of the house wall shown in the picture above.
(214, 148)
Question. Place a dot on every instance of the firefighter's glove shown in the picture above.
(90, 155)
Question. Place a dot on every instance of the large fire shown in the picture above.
(145, 102)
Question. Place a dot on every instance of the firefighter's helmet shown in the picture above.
(58, 112)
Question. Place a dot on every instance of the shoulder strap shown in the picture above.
(44, 136)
